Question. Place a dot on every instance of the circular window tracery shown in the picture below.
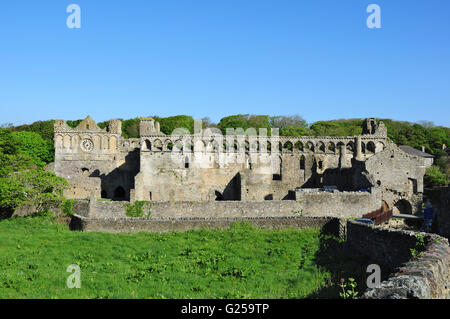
(87, 145)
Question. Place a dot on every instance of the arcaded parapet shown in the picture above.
(93, 160)
(207, 166)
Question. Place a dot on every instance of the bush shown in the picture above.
(434, 177)
(67, 207)
(31, 144)
(137, 209)
(31, 187)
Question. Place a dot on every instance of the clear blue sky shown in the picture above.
(216, 58)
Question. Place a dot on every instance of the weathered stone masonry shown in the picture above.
(207, 166)
(424, 276)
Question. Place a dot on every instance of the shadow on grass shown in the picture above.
(335, 257)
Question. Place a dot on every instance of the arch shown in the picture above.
(310, 146)
(178, 146)
(350, 147)
(331, 147)
(225, 147)
(104, 194)
(235, 146)
(254, 147)
(157, 145)
(269, 147)
(148, 145)
(403, 207)
(277, 168)
(105, 142)
(119, 193)
(302, 162)
(168, 145)
(97, 142)
(58, 142)
(215, 147)
(320, 147)
(370, 148)
(186, 162)
(200, 146)
(246, 145)
(298, 146)
(67, 142)
(320, 164)
(188, 147)
(75, 142)
(288, 147)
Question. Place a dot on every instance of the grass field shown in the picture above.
(241, 262)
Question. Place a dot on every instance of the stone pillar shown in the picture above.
(342, 150)
(358, 149)
(132, 195)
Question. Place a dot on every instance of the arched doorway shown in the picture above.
(403, 207)
(119, 193)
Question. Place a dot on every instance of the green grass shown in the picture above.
(241, 262)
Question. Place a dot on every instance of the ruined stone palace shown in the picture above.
(207, 166)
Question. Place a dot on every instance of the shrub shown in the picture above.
(137, 209)
(67, 207)
(434, 176)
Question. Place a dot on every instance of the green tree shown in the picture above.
(169, 124)
(10, 163)
(43, 128)
(234, 121)
(293, 131)
(434, 177)
(33, 145)
(33, 187)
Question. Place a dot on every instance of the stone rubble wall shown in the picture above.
(116, 225)
(425, 276)
(345, 205)
(338, 204)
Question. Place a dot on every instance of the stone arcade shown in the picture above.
(205, 167)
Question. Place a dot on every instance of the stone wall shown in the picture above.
(340, 204)
(426, 275)
(116, 225)
(345, 205)
(400, 177)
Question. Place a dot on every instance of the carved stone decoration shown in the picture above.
(87, 145)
